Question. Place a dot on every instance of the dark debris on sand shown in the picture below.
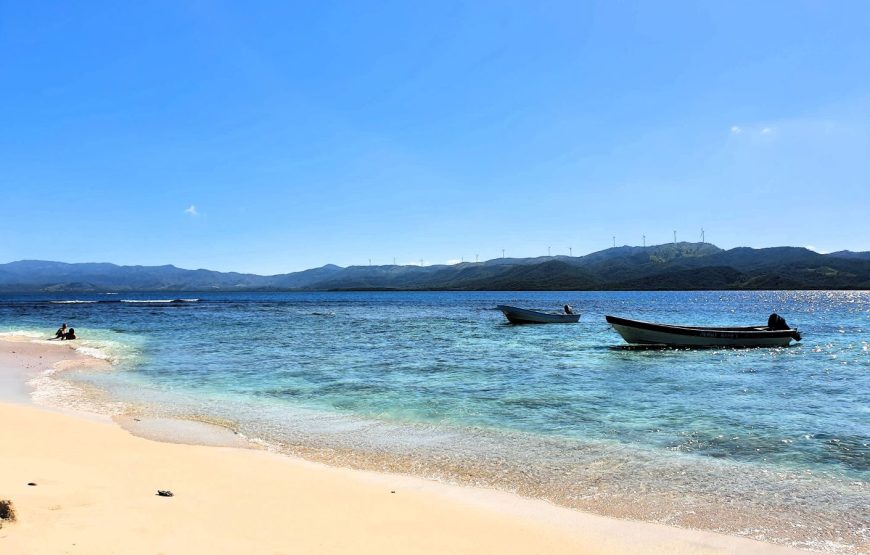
(7, 512)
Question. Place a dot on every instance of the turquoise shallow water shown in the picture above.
(438, 384)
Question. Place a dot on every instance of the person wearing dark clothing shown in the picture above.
(61, 331)
(568, 309)
(71, 334)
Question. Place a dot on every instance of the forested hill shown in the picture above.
(678, 266)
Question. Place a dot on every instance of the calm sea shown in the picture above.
(766, 443)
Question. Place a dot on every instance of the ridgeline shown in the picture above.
(676, 266)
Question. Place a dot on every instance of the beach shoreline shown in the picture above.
(97, 483)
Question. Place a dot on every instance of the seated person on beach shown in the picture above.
(568, 309)
(61, 331)
(71, 334)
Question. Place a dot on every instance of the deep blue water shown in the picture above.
(400, 370)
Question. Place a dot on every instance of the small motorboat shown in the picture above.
(517, 315)
(776, 334)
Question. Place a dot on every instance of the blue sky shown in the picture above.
(272, 137)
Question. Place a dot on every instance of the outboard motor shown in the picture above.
(776, 323)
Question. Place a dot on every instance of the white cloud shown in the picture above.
(752, 130)
(191, 210)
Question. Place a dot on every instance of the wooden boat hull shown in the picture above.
(647, 333)
(517, 315)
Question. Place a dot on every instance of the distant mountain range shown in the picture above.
(676, 266)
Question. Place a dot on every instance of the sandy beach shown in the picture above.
(96, 492)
